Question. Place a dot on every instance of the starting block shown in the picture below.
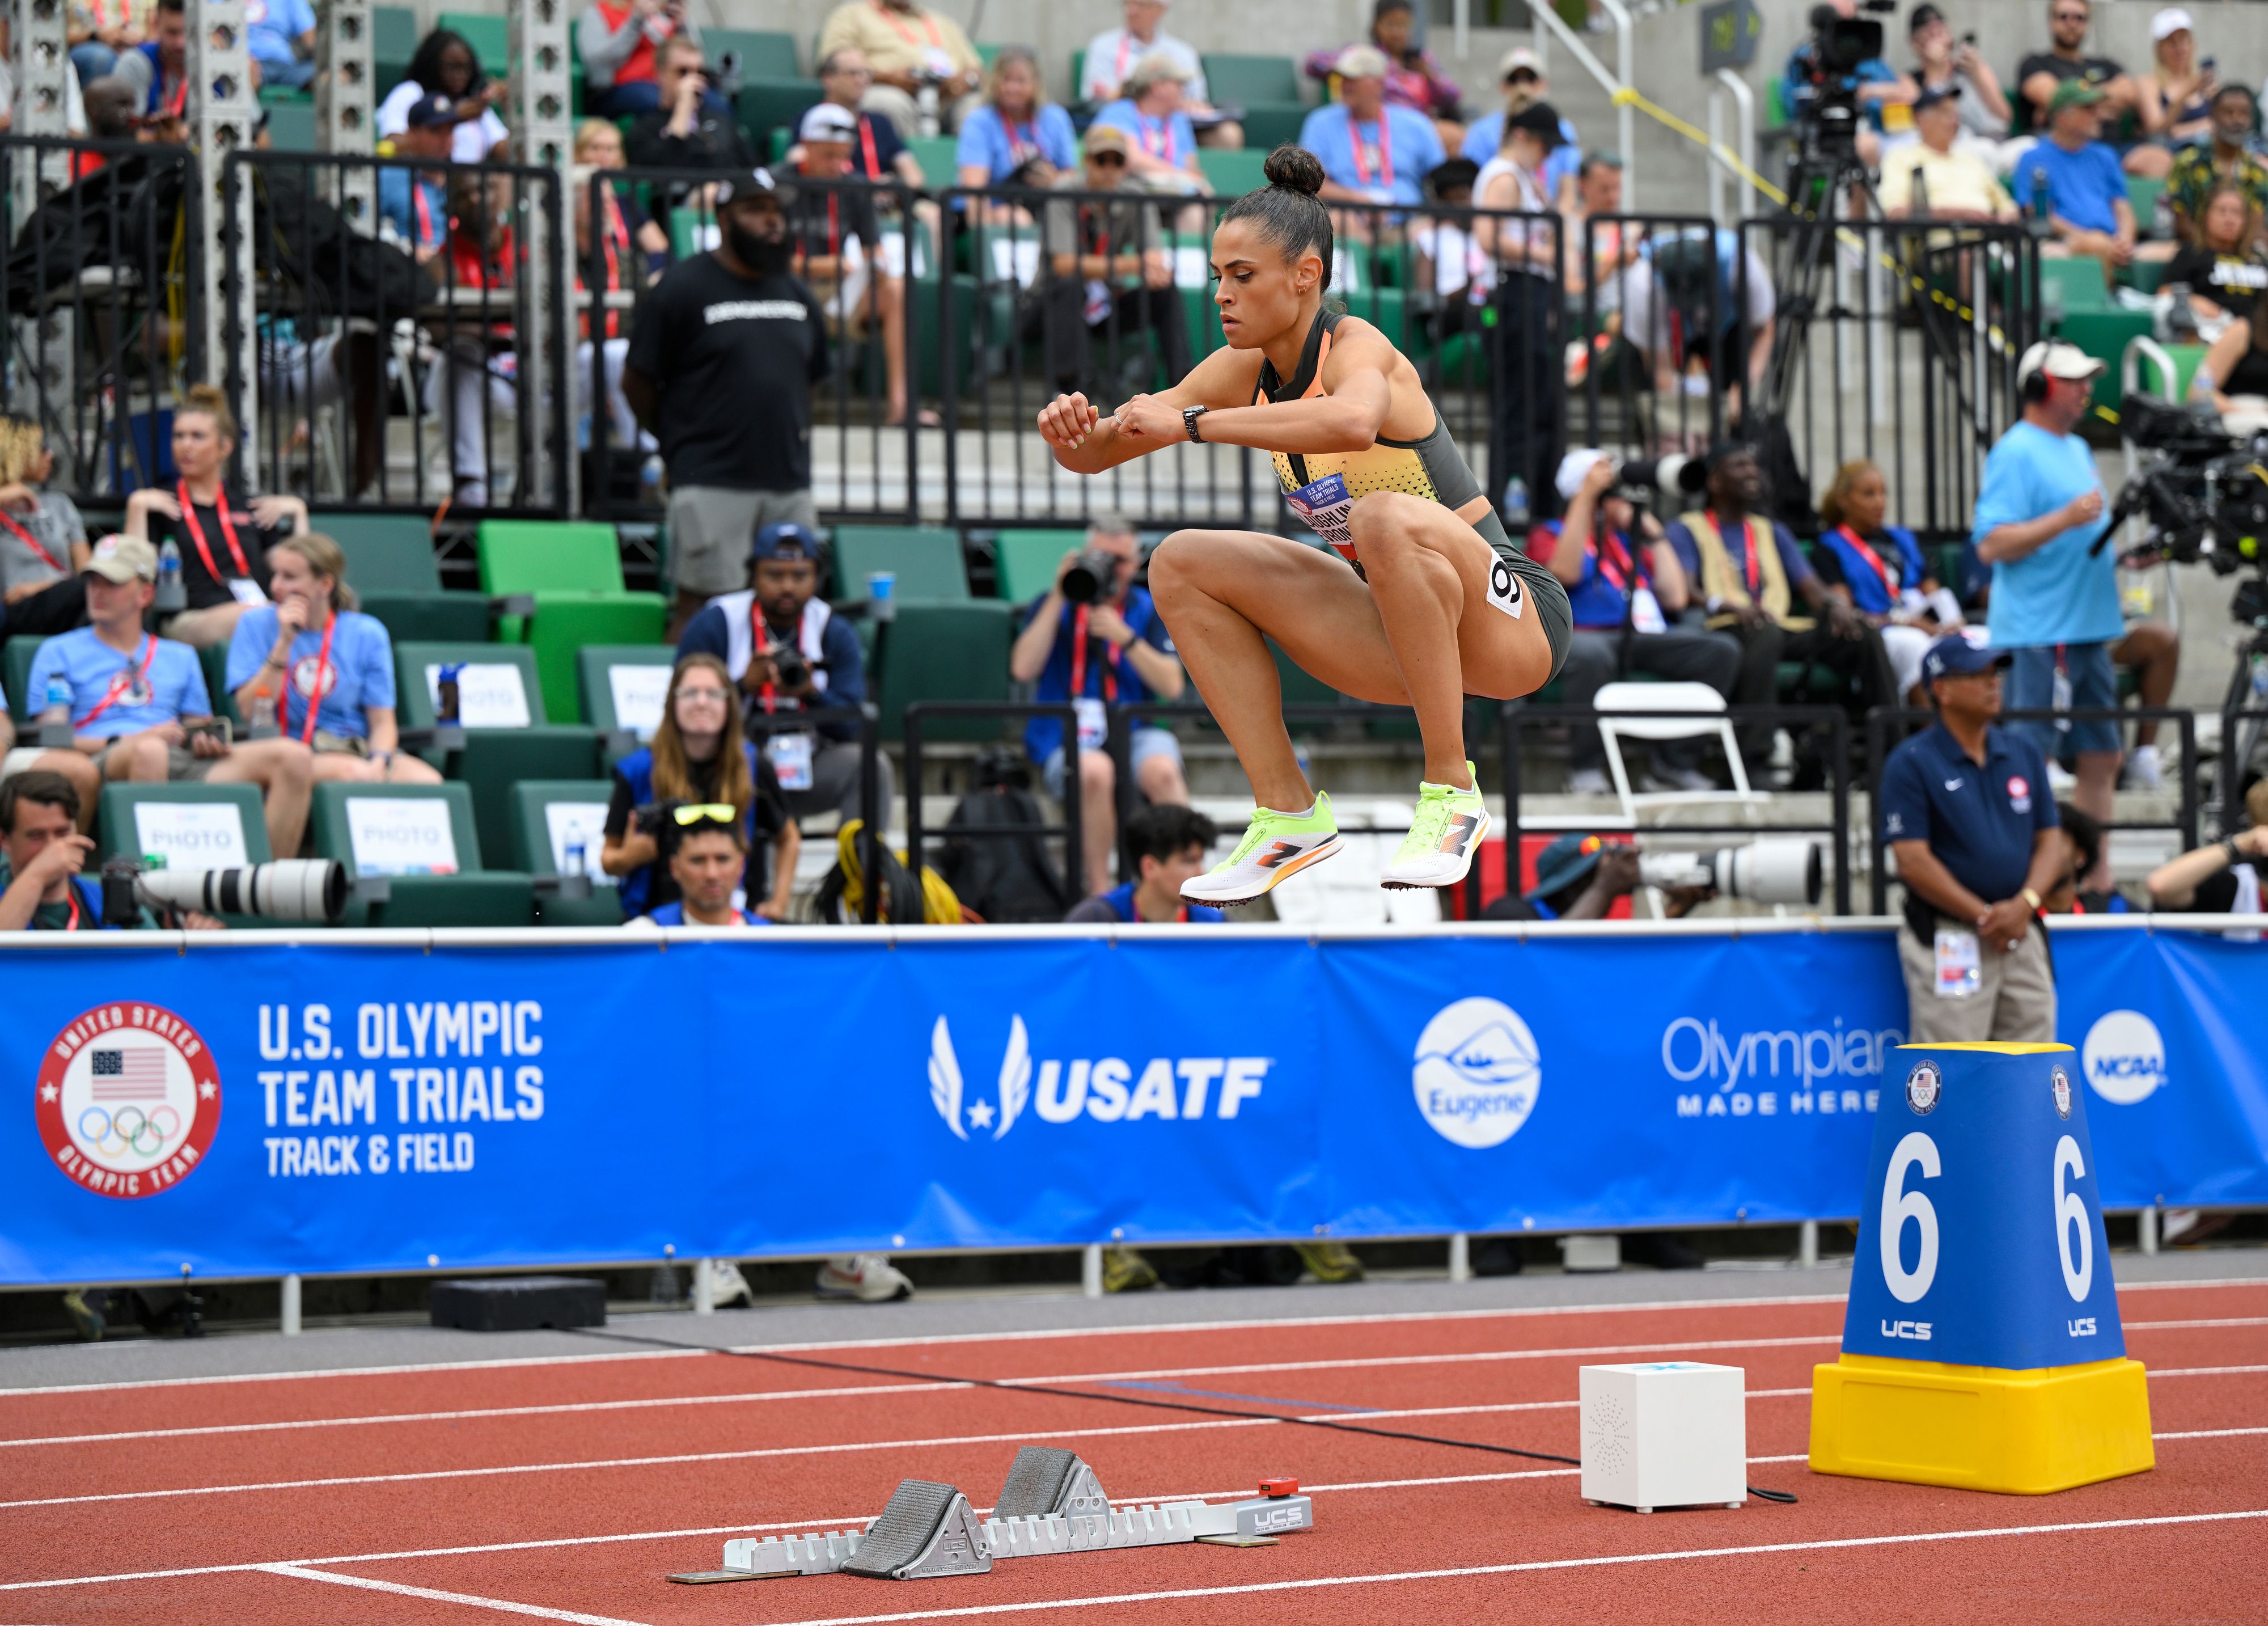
(1982, 1348)
(1052, 1504)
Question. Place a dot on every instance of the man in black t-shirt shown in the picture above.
(2229, 877)
(2038, 74)
(721, 358)
(686, 131)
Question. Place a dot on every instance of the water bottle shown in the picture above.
(172, 597)
(2040, 194)
(58, 706)
(262, 719)
(1515, 505)
(2161, 216)
(576, 862)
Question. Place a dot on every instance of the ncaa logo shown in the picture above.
(2059, 1087)
(1924, 1085)
(128, 1099)
(1477, 1075)
(2124, 1058)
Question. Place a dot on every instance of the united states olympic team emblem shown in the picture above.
(1924, 1085)
(127, 1100)
(2059, 1086)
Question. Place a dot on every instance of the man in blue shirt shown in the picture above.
(1169, 845)
(1113, 651)
(1371, 153)
(281, 36)
(413, 201)
(1162, 144)
(1521, 75)
(2074, 179)
(1965, 809)
(2055, 600)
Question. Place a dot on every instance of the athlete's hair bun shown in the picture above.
(1295, 169)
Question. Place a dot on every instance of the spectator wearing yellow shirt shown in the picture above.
(2227, 157)
(908, 47)
(1931, 177)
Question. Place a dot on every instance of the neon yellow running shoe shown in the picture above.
(1443, 837)
(1275, 846)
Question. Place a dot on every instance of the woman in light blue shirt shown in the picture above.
(1018, 135)
(324, 669)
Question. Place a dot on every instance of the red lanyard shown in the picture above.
(1163, 147)
(314, 701)
(1889, 577)
(71, 896)
(760, 640)
(227, 530)
(1750, 567)
(1078, 661)
(1615, 563)
(123, 681)
(866, 145)
(27, 539)
(1125, 51)
(426, 236)
(1385, 147)
(905, 33)
(180, 100)
(1023, 145)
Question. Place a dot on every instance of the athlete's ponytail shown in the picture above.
(1287, 210)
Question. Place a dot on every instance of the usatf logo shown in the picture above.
(2124, 1058)
(2059, 1087)
(1924, 1085)
(1477, 1074)
(127, 1100)
(1105, 1088)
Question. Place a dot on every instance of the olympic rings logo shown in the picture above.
(129, 1129)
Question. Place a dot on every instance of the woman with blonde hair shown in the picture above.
(1877, 569)
(43, 543)
(321, 670)
(1018, 137)
(699, 762)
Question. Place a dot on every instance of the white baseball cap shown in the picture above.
(1361, 61)
(828, 122)
(1518, 57)
(2171, 20)
(2060, 358)
(1572, 468)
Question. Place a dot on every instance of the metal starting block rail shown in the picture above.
(1052, 1505)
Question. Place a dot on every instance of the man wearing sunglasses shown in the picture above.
(1109, 273)
(2038, 75)
(707, 857)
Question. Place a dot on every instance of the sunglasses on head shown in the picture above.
(704, 813)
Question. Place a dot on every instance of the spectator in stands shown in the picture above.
(1113, 651)
(157, 69)
(689, 128)
(599, 144)
(2071, 894)
(708, 862)
(1109, 63)
(1581, 877)
(1374, 151)
(2040, 75)
(1874, 81)
(1109, 273)
(43, 543)
(619, 44)
(446, 65)
(1965, 808)
(1521, 75)
(1168, 844)
(724, 353)
(74, 767)
(2224, 878)
(1449, 259)
(320, 669)
(2174, 101)
(415, 202)
(1162, 150)
(2227, 159)
(2222, 265)
(222, 536)
(1933, 175)
(912, 51)
(2074, 179)
(1751, 577)
(1017, 137)
(698, 762)
(2234, 374)
(1629, 597)
(281, 36)
(2054, 607)
(1674, 317)
(479, 382)
(838, 242)
(138, 702)
(1412, 78)
(1598, 197)
(98, 31)
(1876, 567)
(1980, 107)
(787, 650)
(878, 152)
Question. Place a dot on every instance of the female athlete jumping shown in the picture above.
(1439, 601)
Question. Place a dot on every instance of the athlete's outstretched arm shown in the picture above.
(1085, 442)
(1346, 418)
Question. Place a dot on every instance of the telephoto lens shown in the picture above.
(1090, 576)
(291, 889)
(1780, 869)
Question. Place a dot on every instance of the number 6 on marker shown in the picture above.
(1899, 1206)
(2070, 1211)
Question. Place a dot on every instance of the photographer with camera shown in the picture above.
(43, 883)
(1579, 877)
(1095, 639)
(619, 44)
(1628, 597)
(1169, 845)
(698, 762)
(2225, 878)
(786, 650)
(1965, 809)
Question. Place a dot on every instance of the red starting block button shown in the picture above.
(1279, 1487)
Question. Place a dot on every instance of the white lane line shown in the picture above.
(396, 1587)
(2205, 1371)
(1537, 1565)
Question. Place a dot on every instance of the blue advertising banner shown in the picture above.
(255, 1107)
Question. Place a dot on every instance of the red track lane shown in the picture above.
(1504, 1511)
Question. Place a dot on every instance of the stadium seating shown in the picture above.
(574, 571)
(936, 155)
(1267, 88)
(927, 559)
(471, 895)
(944, 650)
(391, 567)
(393, 43)
(765, 53)
(119, 834)
(1024, 561)
(604, 692)
(488, 32)
(1233, 172)
(16, 677)
(213, 658)
(765, 103)
(290, 125)
(537, 805)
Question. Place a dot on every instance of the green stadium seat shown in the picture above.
(214, 659)
(765, 102)
(2078, 280)
(612, 675)
(937, 156)
(2142, 195)
(393, 41)
(1233, 172)
(16, 677)
(1024, 561)
(765, 53)
(543, 812)
(574, 571)
(291, 126)
(488, 32)
(467, 893)
(2104, 335)
(945, 650)
(235, 831)
(391, 567)
(2148, 377)
(496, 755)
(1267, 88)
(1078, 73)
(927, 559)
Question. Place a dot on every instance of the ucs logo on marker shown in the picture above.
(1477, 1074)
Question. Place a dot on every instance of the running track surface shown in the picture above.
(566, 1490)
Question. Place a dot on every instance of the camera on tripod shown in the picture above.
(1823, 77)
(291, 889)
(2202, 492)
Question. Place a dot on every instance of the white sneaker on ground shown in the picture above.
(727, 1286)
(2144, 771)
(869, 1278)
(1662, 776)
(1275, 847)
(1444, 835)
(1589, 782)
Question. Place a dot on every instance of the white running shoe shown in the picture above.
(1447, 831)
(1589, 782)
(869, 1278)
(2144, 771)
(1275, 847)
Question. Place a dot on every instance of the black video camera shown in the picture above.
(1824, 79)
(1092, 576)
(2202, 492)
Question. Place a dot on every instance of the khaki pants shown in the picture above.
(2014, 1002)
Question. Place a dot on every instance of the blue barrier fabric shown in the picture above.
(260, 1108)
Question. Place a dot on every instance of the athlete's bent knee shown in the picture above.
(1382, 518)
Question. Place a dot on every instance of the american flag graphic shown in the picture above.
(134, 1074)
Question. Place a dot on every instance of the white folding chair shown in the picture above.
(1706, 709)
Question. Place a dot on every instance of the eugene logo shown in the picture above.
(1106, 1089)
(1476, 1074)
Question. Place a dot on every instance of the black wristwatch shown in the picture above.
(1189, 416)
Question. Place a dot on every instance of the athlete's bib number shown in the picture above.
(1505, 591)
(1324, 505)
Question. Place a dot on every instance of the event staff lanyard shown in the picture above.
(314, 701)
(1023, 142)
(176, 103)
(759, 640)
(890, 15)
(71, 896)
(1615, 563)
(27, 539)
(1750, 567)
(124, 681)
(1159, 143)
(1385, 148)
(1079, 660)
(1849, 534)
(227, 531)
(866, 145)
(426, 238)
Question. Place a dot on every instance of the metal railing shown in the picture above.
(1666, 361)
(760, 726)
